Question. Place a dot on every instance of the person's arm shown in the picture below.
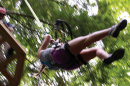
(10, 29)
(44, 44)
(37, 74)
(43, 66)
(9, 26)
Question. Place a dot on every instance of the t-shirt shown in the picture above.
(46, 57)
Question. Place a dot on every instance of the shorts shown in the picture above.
(65, 60)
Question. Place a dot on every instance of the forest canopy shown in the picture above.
(84, 17)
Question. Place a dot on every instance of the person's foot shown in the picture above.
(118, 54)
(115, 30)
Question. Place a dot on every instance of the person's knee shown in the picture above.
(99, 50)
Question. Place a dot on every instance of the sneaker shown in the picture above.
(115, 30)
(118, 54)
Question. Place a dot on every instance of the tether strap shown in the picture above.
(81, 59)
(79, 56)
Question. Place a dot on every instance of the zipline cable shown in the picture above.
(37, 19)
(35, 16)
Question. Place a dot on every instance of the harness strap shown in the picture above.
(78, 57)
(52, 53)
(81, 59)
(61, 47)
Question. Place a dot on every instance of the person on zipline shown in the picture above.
(73, 54)
(8, 50)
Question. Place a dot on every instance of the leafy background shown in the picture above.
(83, 19)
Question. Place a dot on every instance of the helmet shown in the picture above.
(2, 11)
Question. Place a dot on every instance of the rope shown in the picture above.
(35, 16)
(37, 19)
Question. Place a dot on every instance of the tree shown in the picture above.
(30, 36)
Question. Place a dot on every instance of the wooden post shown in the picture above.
(20, 56)
(20, 66)
(7, 36)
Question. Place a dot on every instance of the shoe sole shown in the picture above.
(118, 54)
(120, 27)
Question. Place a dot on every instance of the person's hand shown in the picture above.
(52, 41)
(35, 75)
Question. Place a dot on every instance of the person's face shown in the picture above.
(1, 16)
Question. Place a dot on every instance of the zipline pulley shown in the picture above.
(57, 28)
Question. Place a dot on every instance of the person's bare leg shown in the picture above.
(80, 43)
(88, 54)
(77, 44)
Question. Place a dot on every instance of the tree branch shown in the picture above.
(20, 22)
(61, 2)
(24, 15)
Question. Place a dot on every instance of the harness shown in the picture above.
(71, 59)
(77, 58)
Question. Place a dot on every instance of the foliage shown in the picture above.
(30, 36)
